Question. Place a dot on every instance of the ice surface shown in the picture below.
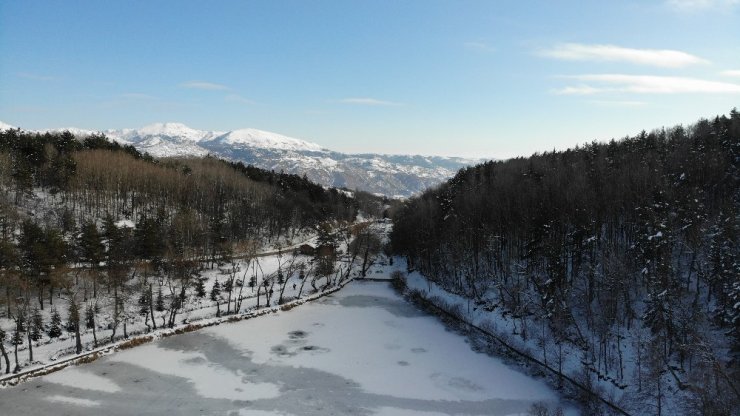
(371, 336)
(209, 379)
(83, 379)
(72, 400)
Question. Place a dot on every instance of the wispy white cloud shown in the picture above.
(479, 46)
(578, 90)
(666, 58)
(695, 5)
(239, 99)
(731, 73)
(645, 84)
(138, 96)
(36, 77)
(203, 85)
(368, 101)
(618, 103)
(316, 112)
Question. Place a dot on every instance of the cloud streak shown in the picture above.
(735, 73)
(35, 77)
(369, 101)
(138, 96)
(645, 84)
(236, 98)
(694, 5)
(618, 103)
(665, 58)
(479, 46)
(202, 85)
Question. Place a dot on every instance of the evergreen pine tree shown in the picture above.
(36, 324)
(200, 288)
(90, 245)
(159, 303)
(20, 328)
(17, 338)
(73, 317)
(89, 317)
(20, 322)
(55, 327)
(144, 303)
(215, 291)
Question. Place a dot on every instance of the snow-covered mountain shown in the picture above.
(5, 126)
(164, 139)
(262, 139)
(393, 175)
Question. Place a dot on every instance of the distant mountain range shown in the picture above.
(391, 175)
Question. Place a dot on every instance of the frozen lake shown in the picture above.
(360, 351)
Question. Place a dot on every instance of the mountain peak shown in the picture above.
(266, 140)
(172, 130)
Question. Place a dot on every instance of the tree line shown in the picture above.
(625, 252)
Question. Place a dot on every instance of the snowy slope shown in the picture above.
(165, 139)
(392, 175)
(74, 130)
(265, 140)
(5, 126)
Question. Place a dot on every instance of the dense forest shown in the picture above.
(111, 234)
(623, 254)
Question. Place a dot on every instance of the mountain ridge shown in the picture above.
(388, 174)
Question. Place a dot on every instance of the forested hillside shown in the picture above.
(621, 257)
(117, 237)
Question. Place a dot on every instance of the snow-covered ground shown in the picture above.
(362, 351)
(48, 350)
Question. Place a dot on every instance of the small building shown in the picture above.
(307, 249)
(326, 250)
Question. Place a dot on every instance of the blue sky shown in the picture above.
(472, 78)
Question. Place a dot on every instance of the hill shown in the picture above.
(617, 263)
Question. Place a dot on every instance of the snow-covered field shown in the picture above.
(267, 262)
(361, 351)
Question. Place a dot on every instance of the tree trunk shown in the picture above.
(303, 281)
(151, 306)
(259, 286)
(17, 365)
(78, 340)
(30, 346)
(282, 290)
(238, 301)
(95, 335)
(173, 316)
(364, 262)
(115, 313)
(5, 356)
